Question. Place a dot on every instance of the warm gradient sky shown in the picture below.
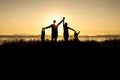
(91, 17)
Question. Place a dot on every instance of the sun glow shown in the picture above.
(90, 17)
(49, 20)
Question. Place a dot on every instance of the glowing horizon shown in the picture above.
(91, 17)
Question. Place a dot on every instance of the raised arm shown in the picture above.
(61, 21)
(47, 27)
(78, 32)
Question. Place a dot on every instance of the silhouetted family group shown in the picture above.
(54, 33)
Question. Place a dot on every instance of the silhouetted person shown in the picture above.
(76, 35)
(54, 27)
(43, 35)
(66, 32)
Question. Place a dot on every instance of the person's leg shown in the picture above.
(66, 37)
(52, 38)
(55, 38)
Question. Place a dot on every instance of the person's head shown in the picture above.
(54, 21)
(66, 24)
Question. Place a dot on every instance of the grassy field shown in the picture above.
(61, 48)
(26, 58)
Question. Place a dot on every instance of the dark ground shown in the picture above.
(28, 57)
(61, 50)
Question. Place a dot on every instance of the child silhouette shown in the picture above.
(76, 35)
(43, 35)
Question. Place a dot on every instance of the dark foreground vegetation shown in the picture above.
(61, 49)
(29, 56)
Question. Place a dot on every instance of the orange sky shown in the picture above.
(91, 17)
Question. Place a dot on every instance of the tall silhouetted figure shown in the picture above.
(66, 32)
(54, 27)
(76, 35)
(43, 35)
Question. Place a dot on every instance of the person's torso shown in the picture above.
(65, 30)
(54, 27)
